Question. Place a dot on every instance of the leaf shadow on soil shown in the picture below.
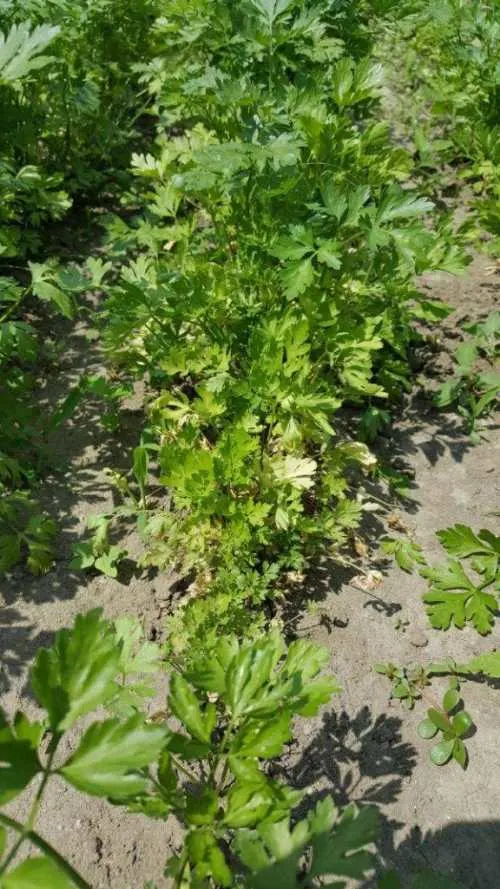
(363, 758)
(421, 426)
(468, 852)
(435, 433)
(73, 485)
(20, 642)
(330, 577)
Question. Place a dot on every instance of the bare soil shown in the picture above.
(361, 747)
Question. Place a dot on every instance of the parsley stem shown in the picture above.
(15, 305)
(46, 775)
(180, 765)
(28, 827)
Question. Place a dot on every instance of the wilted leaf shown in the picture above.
(298, 471)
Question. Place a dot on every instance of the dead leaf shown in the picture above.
(397, 524)
(369, 581)
(360, 547)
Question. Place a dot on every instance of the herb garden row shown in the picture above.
(249, 192)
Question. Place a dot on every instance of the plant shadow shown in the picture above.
(467, 853)
(362, 758)
(72, 485)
